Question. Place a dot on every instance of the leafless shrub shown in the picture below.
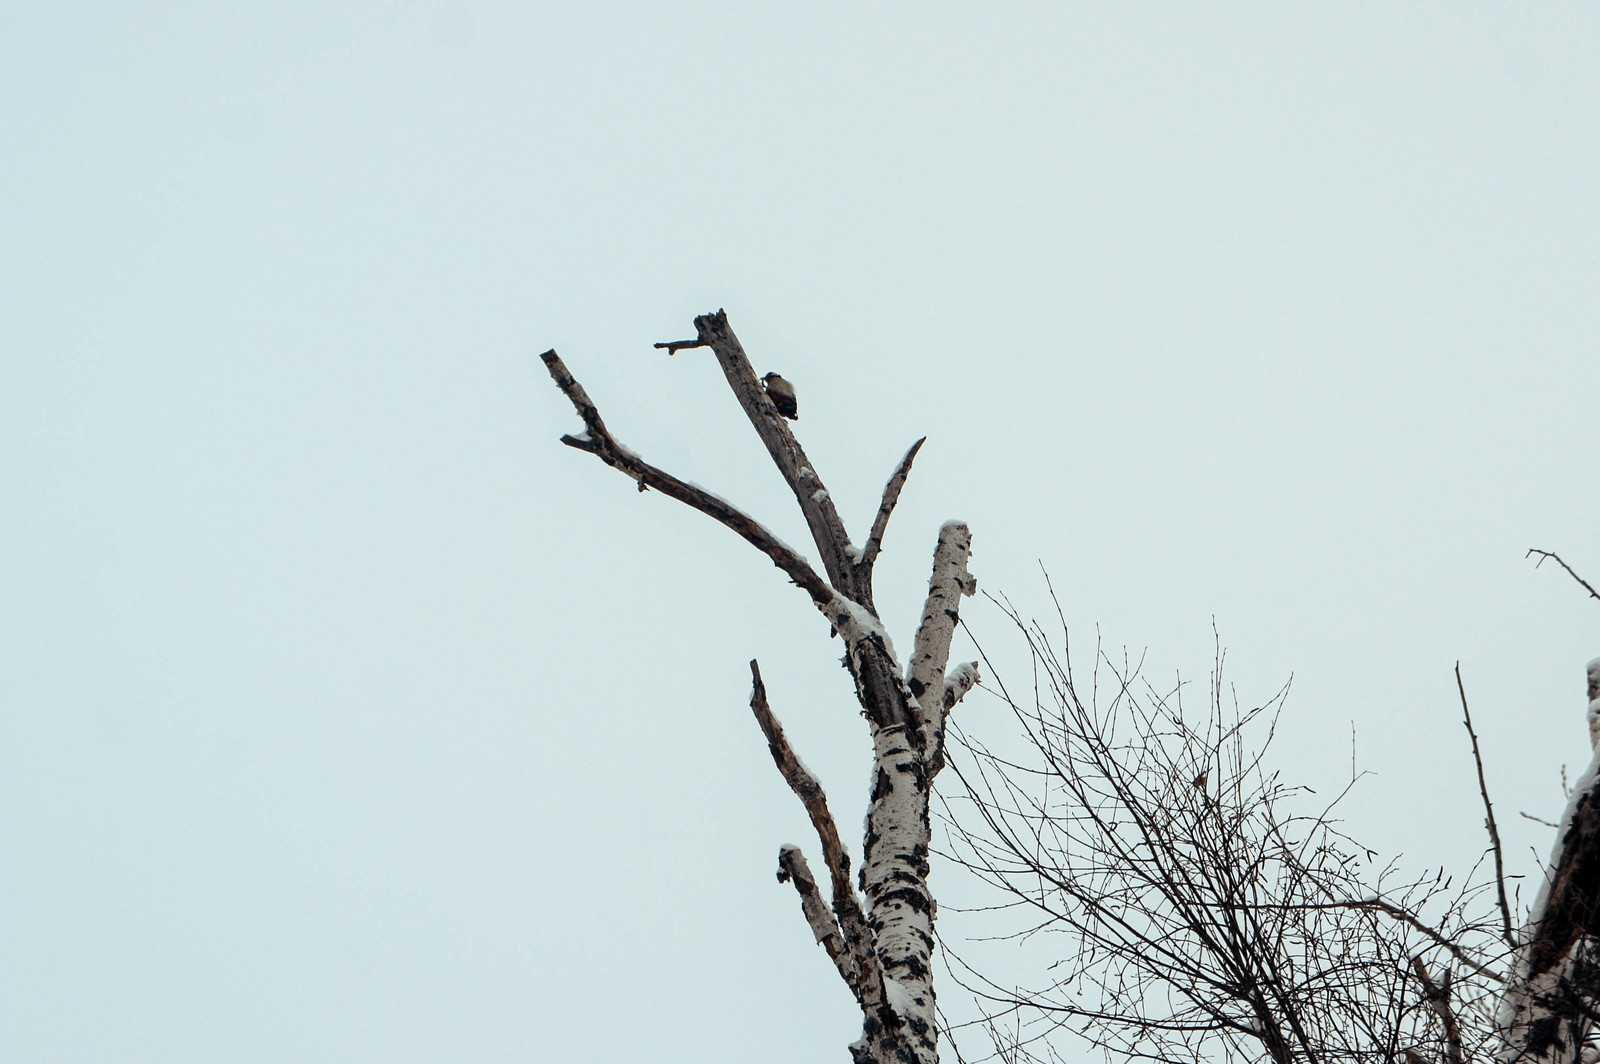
(1190, 904)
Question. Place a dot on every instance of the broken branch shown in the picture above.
(891, 495)
(858, 937)
(792, 866)
(672, 347)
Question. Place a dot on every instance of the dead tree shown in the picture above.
(881, 939)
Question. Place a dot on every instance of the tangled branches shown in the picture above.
(1192, 906)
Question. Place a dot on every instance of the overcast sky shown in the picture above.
(346, 716)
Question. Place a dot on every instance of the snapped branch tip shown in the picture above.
(672, 347)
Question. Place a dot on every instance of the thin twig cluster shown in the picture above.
(1190, 905)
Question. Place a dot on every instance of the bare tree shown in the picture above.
(881, 940)
(1191, 905)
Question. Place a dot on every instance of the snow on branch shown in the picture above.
(598, 441)
(958, 682)
(1593, 669)
(855, 955)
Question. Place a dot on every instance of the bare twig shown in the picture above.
(891, 495)
(1544, 554)
(1406, 917)
(1488, 821)
(858, 956)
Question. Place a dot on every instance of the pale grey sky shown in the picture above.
(346, 716)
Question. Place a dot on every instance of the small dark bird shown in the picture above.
(781, 392)
(1200, 780)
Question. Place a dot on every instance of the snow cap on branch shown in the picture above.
(1594, 702)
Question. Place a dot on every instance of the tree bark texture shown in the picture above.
(880, 940)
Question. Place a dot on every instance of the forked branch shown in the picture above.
(822, 517)
(889, 950)
(1553, 556)
(598, 441)
(857, 955)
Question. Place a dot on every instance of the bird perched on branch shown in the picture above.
(781, 392)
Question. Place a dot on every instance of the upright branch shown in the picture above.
(891, 495)
(882, 947)
(1488, 820)
(949, 582)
